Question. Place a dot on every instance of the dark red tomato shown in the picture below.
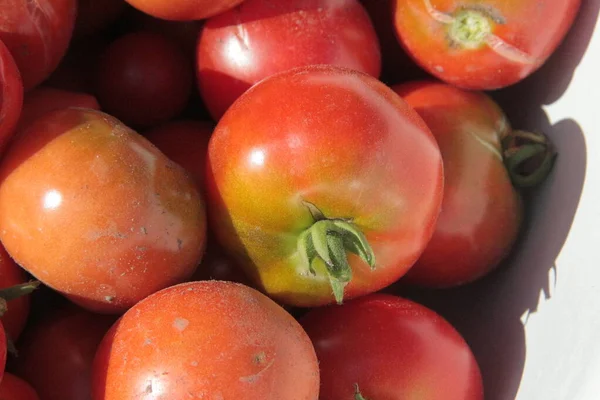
(15, 388)
(481, 211)
(212, 340)
(391, 348)
(218, 265)
(11, 95)
(482, 44)
(56, 354)
(15, 318)
(183, 10)
(262, 37)
(97, 212)
(3, 343)
(186, 143)
(144, 79)
(322, 177)
(37, 34)
(95, 15)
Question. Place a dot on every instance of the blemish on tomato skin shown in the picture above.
(181, 324)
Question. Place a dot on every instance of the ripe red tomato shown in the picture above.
(186, 143)
(15, 388)
(391, 348)
(261, 37)
(37, 34)
(99, 213)
(144, 79)
(11, 95)
(95, 15)
(482, 44)
(320, 177)
(56, 354)
(15, 317)
(183, 10)
(481, 210)
(211, 339)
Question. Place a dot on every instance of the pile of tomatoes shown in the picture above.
(210, 199)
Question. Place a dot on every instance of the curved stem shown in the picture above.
(16, 291)
(529, 158)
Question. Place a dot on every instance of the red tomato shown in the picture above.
(218, 265)
(262, 37)
(481, 210)
(391, 349)
(183, 10)
(144, 79)
(11, 95)
(95, 15)
(3, 343)
(97, 212)
(314, 164)
(14, 388)
(482, 44)
(15, 318)
(212, 339)
(56, 354)
(186, 143)
(37, 34)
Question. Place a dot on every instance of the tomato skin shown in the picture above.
(207, 339)
(183, 10)
(218, 265)
(2, 350)
(144, 79)
(15, 318)
(363, 155)
(261, 37)
(133, 224)
(15, 388)
(534, 28)
(394, 349)
(56, 354)
(37, 34)
(481, 210)
(11, 95)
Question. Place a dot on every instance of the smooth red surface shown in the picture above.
(262, 37)
(144, 79)
(532, 26)
(98, 213)
(15, 388)
(394, 349)
(183, 10)
(15, 318)
(340, 140)
(206, 339)
(481, 211)
(56, 354)
(11, 95)
(37, 34)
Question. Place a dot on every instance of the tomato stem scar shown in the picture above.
(529, 158)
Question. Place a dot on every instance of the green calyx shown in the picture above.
(528, 157)
(470, 28)
(330, 240)
(357, 394)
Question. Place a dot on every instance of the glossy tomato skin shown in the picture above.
(207, 339)
(525, 33)
(56, 354)
(183, 10)
(393, 349)
(144, 79)
(15, 318)
(15, 388)
(340, 140)
(37, 34)
(11, 95)
(132, 224)
(481, 210)
(261, 37)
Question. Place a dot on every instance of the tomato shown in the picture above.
(15, 317)
(15, 388)
(3, 343)
(322, 177)
(98, 213)
(144, 79)
(95, 15)
(390, 348)
(186, 143)
(482, 44)
(37, 33)
(261, 37)
(183, 10)
(211, 339)
(56, 354)
(11, 95)
(481, 210)
(218, 265)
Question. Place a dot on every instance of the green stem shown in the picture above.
(357, 394)
(17, 291)
(529, 158)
